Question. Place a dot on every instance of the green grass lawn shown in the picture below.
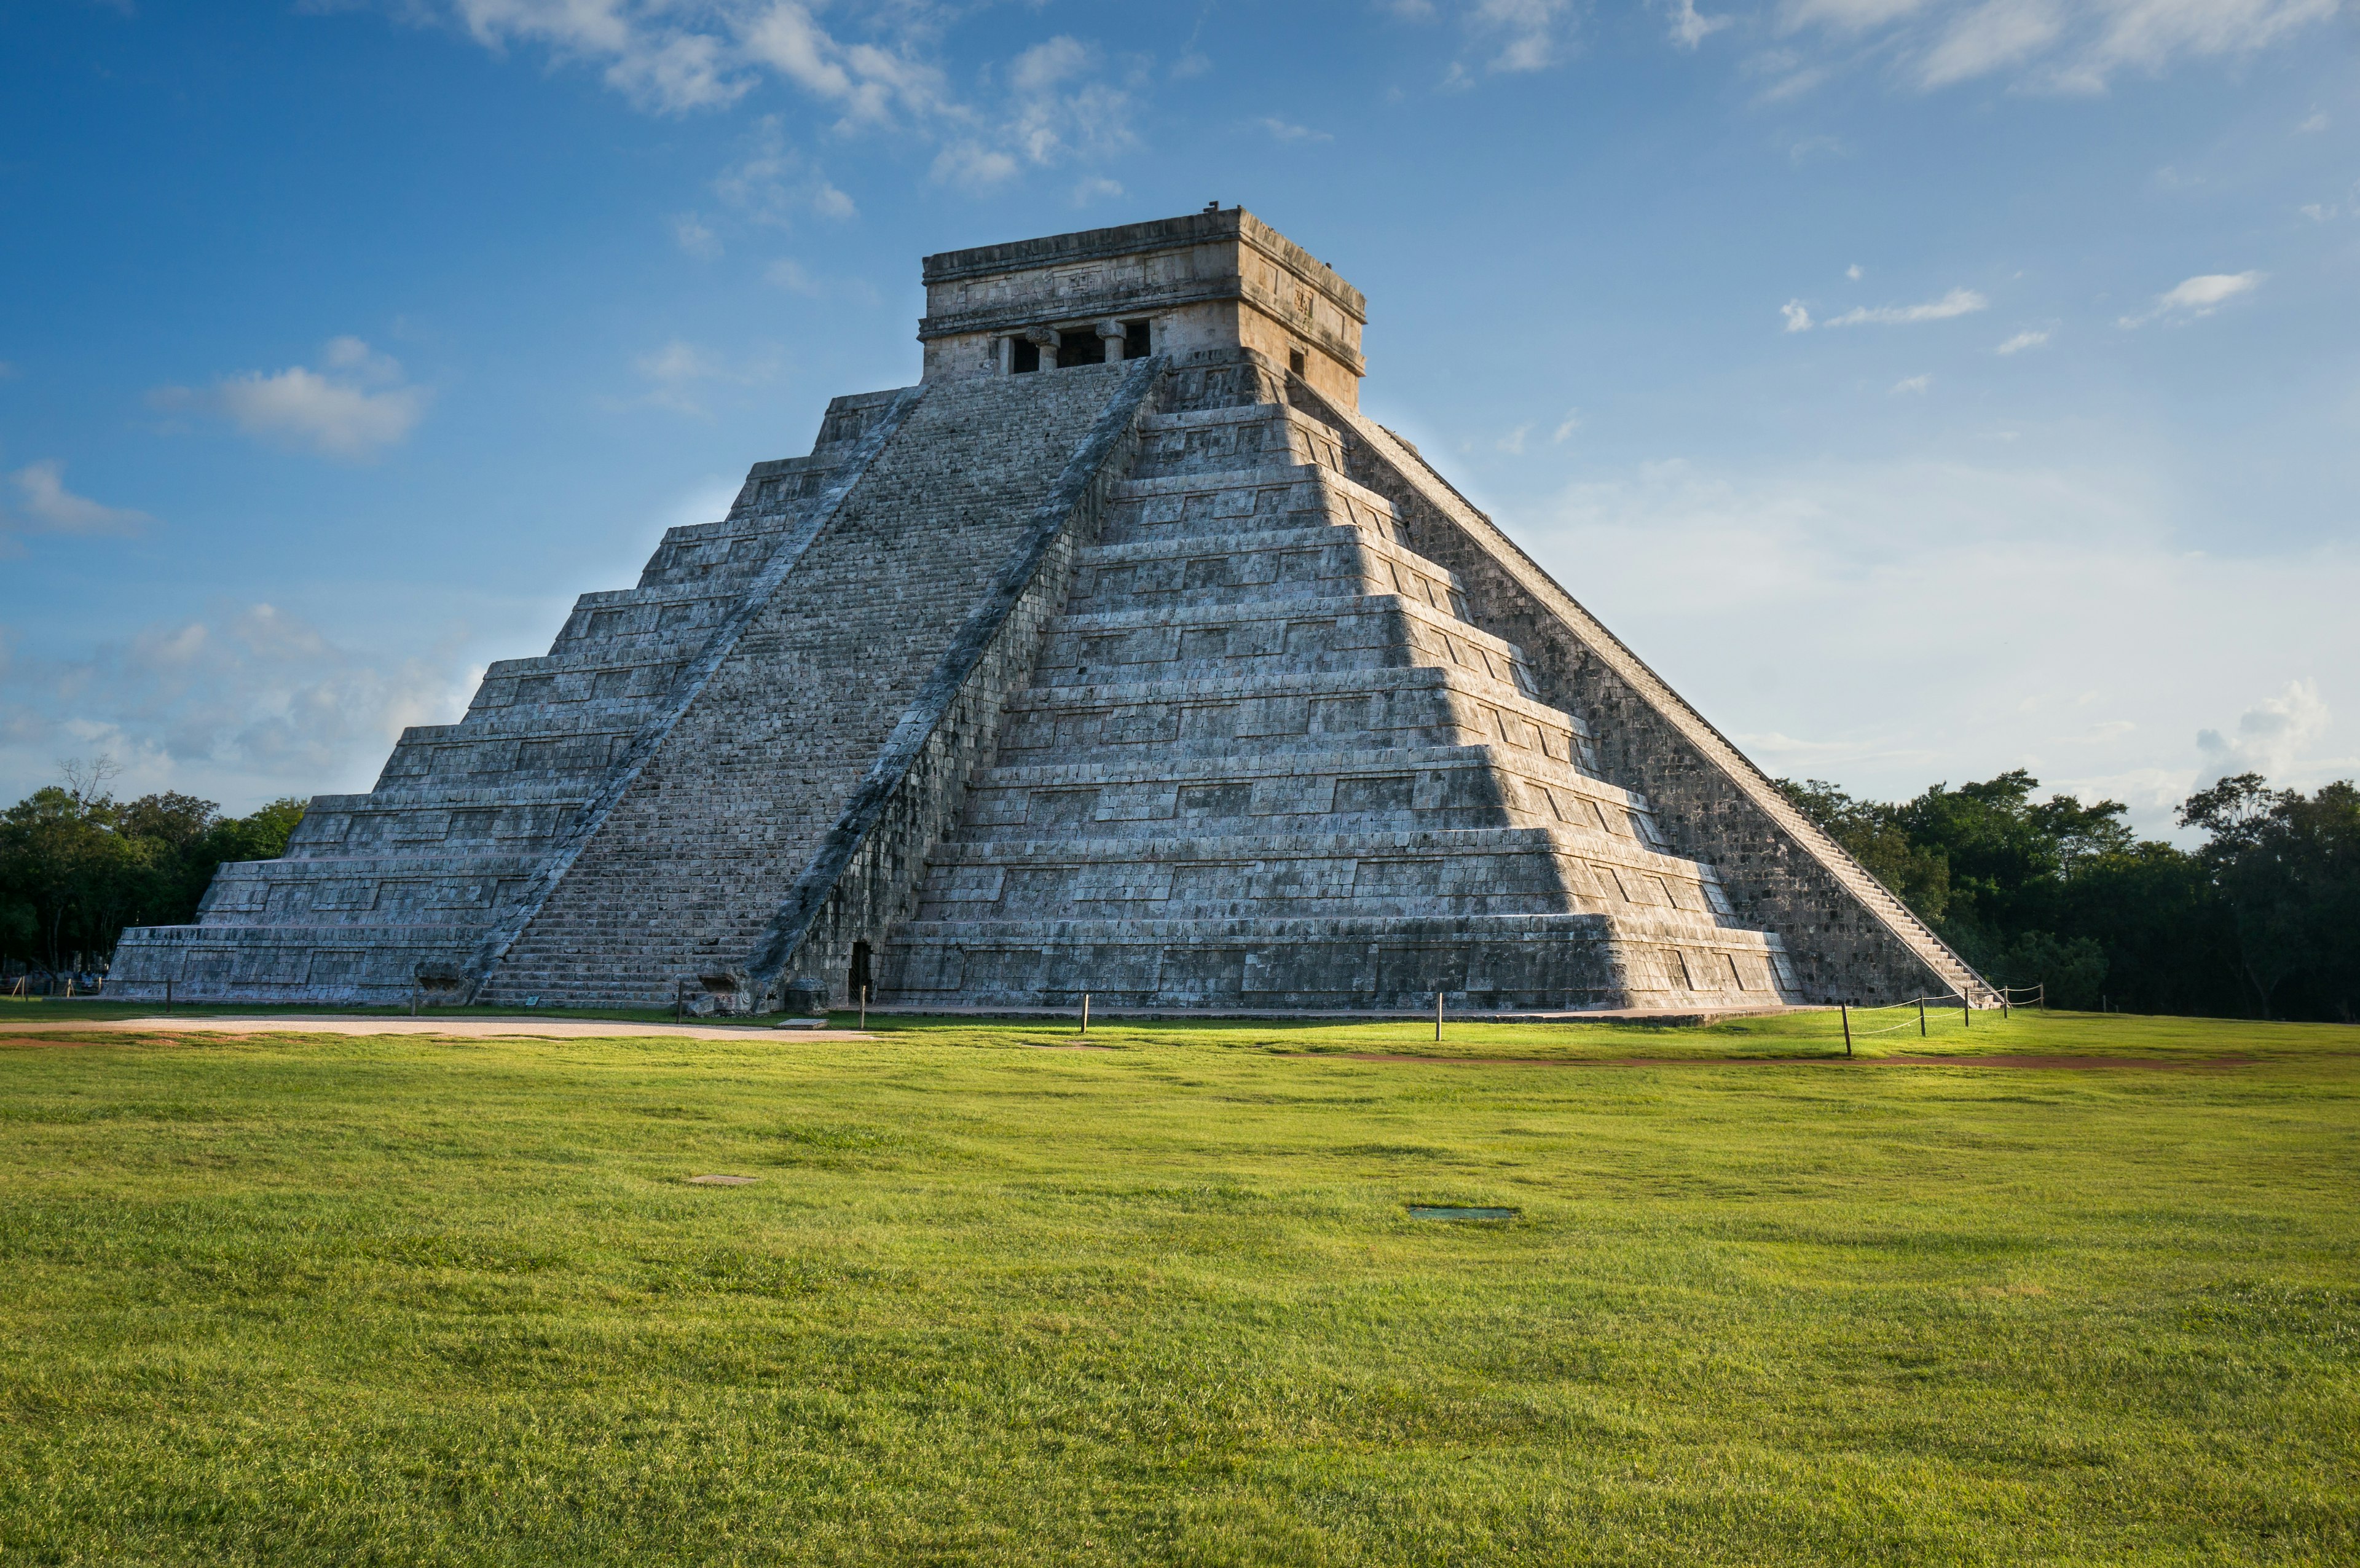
(405, 1300)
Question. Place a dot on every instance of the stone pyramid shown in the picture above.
(1122, 654)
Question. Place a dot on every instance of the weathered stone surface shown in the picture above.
(1164, 676)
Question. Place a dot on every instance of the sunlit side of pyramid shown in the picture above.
(1121, 654)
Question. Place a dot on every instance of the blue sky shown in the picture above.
(1925, 387)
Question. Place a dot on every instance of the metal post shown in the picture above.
(1844, 1008)
(168, 995)
(2003, 1002)
(864, 1007)
(679, 1001)
(413, 998)
(1921, 1018)
(1085, 1012)
(1966, 1010)
(1437, 1018)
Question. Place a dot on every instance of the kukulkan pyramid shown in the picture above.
(1121, 654)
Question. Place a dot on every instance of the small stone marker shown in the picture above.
(800, 1023)
(1458, 1212)
(723, 1180)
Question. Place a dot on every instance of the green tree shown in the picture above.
(77, 866)
(2289, 866)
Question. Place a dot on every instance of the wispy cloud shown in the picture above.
(354, 406)
(1688, 27)
(1912, 385)
(678, 372)
(875, 68)
(2056, 46)
(776, 184)
(2021, 341)
(689, 232)
(244, 698)
(2197, 297)
(44, 505)
(1957, 302)
(1797, 316)
(1566, 427)
(1060, 109)
(1284, 131)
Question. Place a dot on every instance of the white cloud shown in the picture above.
(241, 704)
(973, 167)
(2317, 212)
(44, 503)
(1853, 272)
(787, 274)
(1872, 690)
(1957, 302)
(1688, 27)
(774, 183)
(2272, 736)
(677, 371)
(790, 275)
(1516, 35)
(1088, 190)
(1845, 15)
(1995, 34)
(665, 59)
(2314, 124)
(674, 56)
(1913, 385)
(353, 408)
(1571, 422)
(1281, 130)
(2197, 297)
(1514, 441)
(1798, 319)
(2021, 341)
(690, 234)
(2056, 46)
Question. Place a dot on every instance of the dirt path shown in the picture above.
(25, 1032)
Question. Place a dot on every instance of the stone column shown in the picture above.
(1047, 340)
(1005, 349)
(1110, 340)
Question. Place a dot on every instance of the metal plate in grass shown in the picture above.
(1459, 1212)
(723, 1180)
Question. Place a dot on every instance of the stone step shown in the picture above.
(1254, 637)
(1336, 559)
(1417, 705)
(1496, 961)
(1405, 870)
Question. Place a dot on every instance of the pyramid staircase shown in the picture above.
(1267, 761)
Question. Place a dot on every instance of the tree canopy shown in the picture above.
(2262, 919)
(78, 865)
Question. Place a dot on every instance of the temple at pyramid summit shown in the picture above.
(1122, 655)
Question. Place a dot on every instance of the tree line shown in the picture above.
(77, 865)
(2261, 920)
